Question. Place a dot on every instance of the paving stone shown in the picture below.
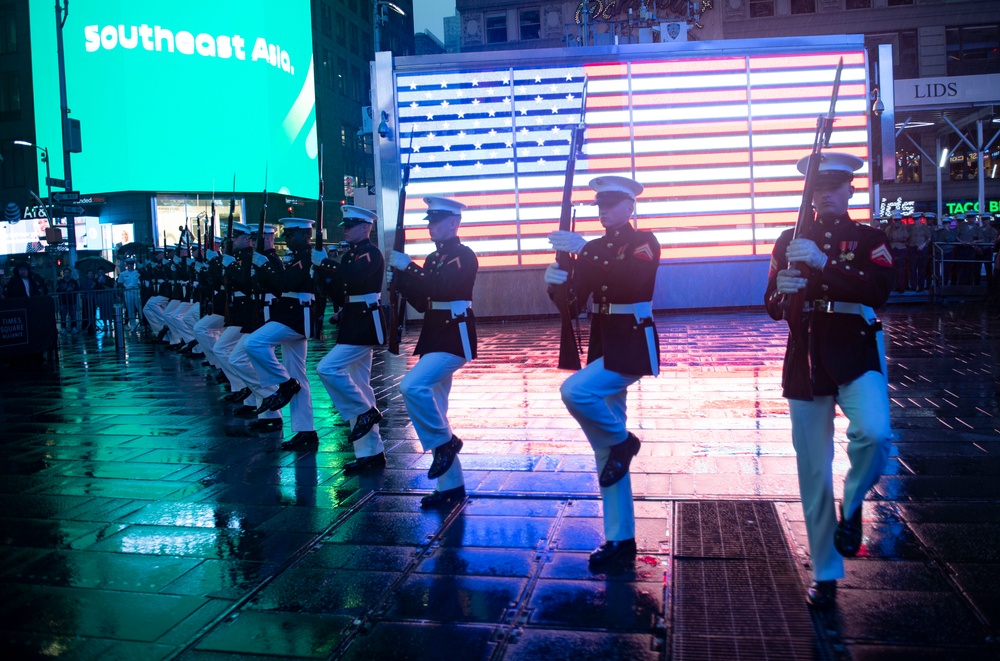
(135, 516)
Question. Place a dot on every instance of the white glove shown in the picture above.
(259, 259)
(806, 252)
(399, 260)
(228, 259)
(177, 260)
(571, 242)
(555, 275)
(790, 281)
(211, 254)
(318, 256)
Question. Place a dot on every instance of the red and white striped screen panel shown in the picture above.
(713, 140)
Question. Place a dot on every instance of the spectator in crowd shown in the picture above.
(88, 303)
(69, 290)
(25, 283)
(104, 298)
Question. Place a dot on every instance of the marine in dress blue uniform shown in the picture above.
(291, 286)
(442, 290)
(619, 271)
(848, 271)
(245, 315)
(354, 283)
(208, 329)
(156, 276)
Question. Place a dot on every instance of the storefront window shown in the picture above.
(908, 167)
(965, 167)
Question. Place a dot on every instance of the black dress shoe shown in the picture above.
(444, 457)
(847, 536)
(618, 461)
(188, 349)
(304, 440)
(363, 463)
(245, 412)
(221, 377)
(238, 396)
(284, 395)
(364, 424)
(162, 334)
(822, 595)
(265, 425)
(611, 554)
(446, 499)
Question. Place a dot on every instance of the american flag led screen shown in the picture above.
(713, 140)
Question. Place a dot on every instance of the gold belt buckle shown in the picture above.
(603, 308)
(823, 306)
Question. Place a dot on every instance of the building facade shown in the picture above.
(945, 56)
(343, 40)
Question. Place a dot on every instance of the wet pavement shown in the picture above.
(141, 521)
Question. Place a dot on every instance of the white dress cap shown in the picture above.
(833, 164)
(439, 208)
(617, 186)
(355, 215)
(241, 227)
(296, 224)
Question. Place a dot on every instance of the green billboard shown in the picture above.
(181, 95)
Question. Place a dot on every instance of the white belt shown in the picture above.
(615, 308)
(370, 299)
(642, 310)
(840, 307)
(238, 294)
(302, 297)
(458, 308)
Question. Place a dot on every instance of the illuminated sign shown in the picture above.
(180, 95)
(714, 140)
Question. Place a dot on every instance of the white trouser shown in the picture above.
(171, 317)
(207, 332)
(133, 301)
(153, 309)
(189, 320)
(346, 372)
(239, 362)
(425, 390)
(260, 346)
(865, 403)
(596, 398)
(224, 346)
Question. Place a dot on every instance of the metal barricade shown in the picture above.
(962, 268)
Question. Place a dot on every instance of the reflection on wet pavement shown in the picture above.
(141, 521)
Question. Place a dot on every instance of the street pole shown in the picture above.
(62, 10)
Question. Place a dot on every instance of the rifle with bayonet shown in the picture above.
(257, 292)
(227, 247)
(397, 304)
(563, 295)
(798, 377)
